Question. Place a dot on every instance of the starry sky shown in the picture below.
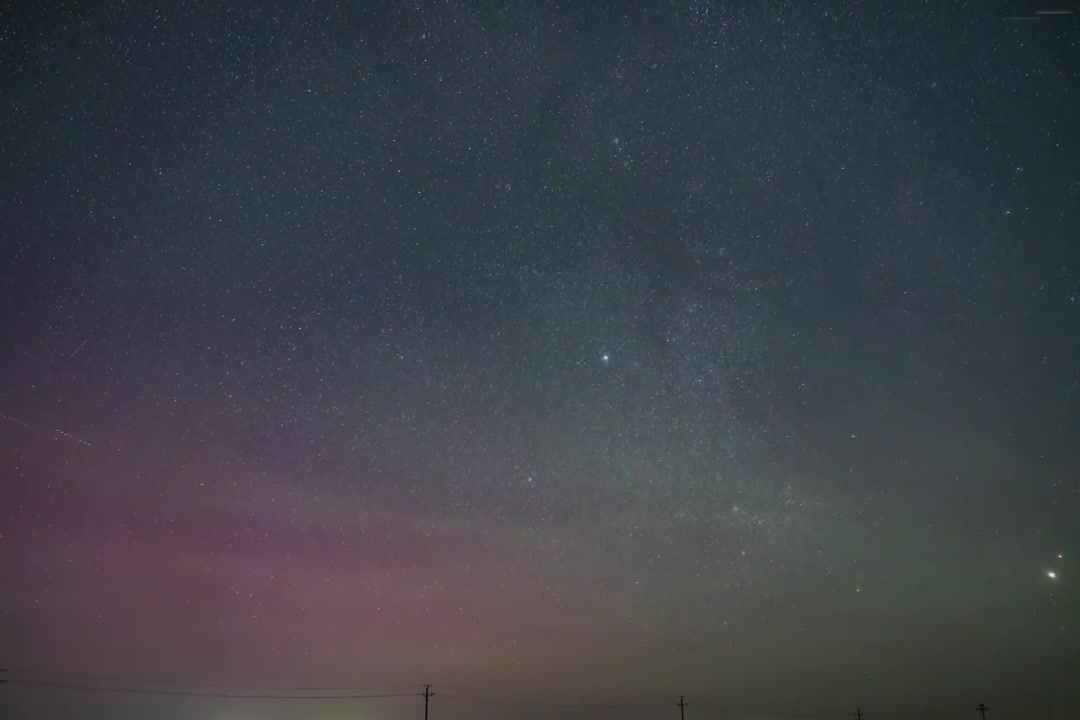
(546, 352)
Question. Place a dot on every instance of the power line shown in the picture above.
(489, 700)
(468, 695)
(105, 684)
(80, 679)
(81, 687)
(349, 688)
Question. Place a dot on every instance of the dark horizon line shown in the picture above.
(295, 695)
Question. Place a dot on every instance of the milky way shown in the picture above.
(542, 352)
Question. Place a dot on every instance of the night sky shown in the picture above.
(540, 351)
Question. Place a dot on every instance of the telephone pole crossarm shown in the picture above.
(427, 697)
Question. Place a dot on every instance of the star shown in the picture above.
(605, 358)
(1051, 574)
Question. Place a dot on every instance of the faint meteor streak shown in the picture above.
(35, 428)
(17, 421)
(1039, 14)
(81, 345)
(69, 436)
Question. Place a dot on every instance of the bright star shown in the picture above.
(605, 357)
(1051, 574)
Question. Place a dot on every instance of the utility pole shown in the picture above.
(858, 713)
(427, 696)
(682, 708)
(983, 710)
